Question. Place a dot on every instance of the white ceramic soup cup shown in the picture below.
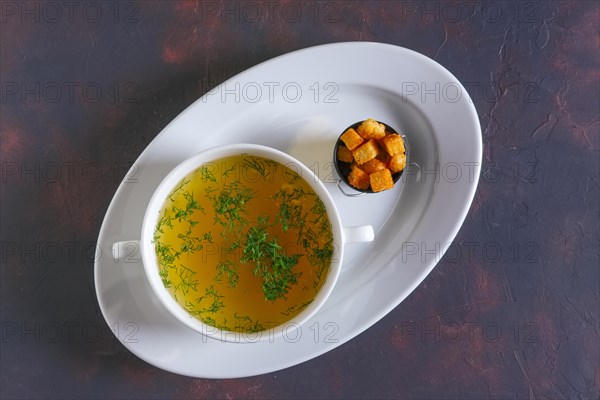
(341, 236)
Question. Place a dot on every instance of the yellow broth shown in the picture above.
(243, 243)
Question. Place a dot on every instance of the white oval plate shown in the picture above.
(298, 103)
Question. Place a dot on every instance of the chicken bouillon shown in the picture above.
(243, 243)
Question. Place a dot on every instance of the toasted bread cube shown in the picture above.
(381, 180)
(384, 157)
(373, 165)
(392, 144)
(397, 163)
(358, 178)
(351, 139)
(371, 129)
(344, 154)
(366, 152)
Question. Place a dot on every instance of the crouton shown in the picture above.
(373, 165)
(371, 129)
(366, 152)
(384, 157)
(392, 144)
(397, 163)
(344, 154)
(381, 180)
(351, 139)
(358, 178)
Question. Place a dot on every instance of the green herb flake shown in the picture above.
(275, 268)
(230, 205)
(228, 268)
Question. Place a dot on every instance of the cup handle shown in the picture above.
(358, 234)
(348, 194)
(126, 251)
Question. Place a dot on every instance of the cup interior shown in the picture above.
(149, 255)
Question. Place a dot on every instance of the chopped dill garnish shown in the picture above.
(165, 221)
(318, 209)
(271, 264)
(228, 268)
(234, 245)
(166, 260)
(250, 325)
(278, 281)
(209, 190)
(263, 167)
(290, 213)
(296, 308)
(215, 299)
(229, 170)
(211, 321)
(190, 207)
(180, 186)
(190, 243)
(191, 308)
(291, 176)
(186, 280)
(230, 204)
(206, 174)
(164, 276)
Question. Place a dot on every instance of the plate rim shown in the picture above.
(374, 317)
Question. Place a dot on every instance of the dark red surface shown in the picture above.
(512, 310)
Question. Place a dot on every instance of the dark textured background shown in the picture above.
(512, 311)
